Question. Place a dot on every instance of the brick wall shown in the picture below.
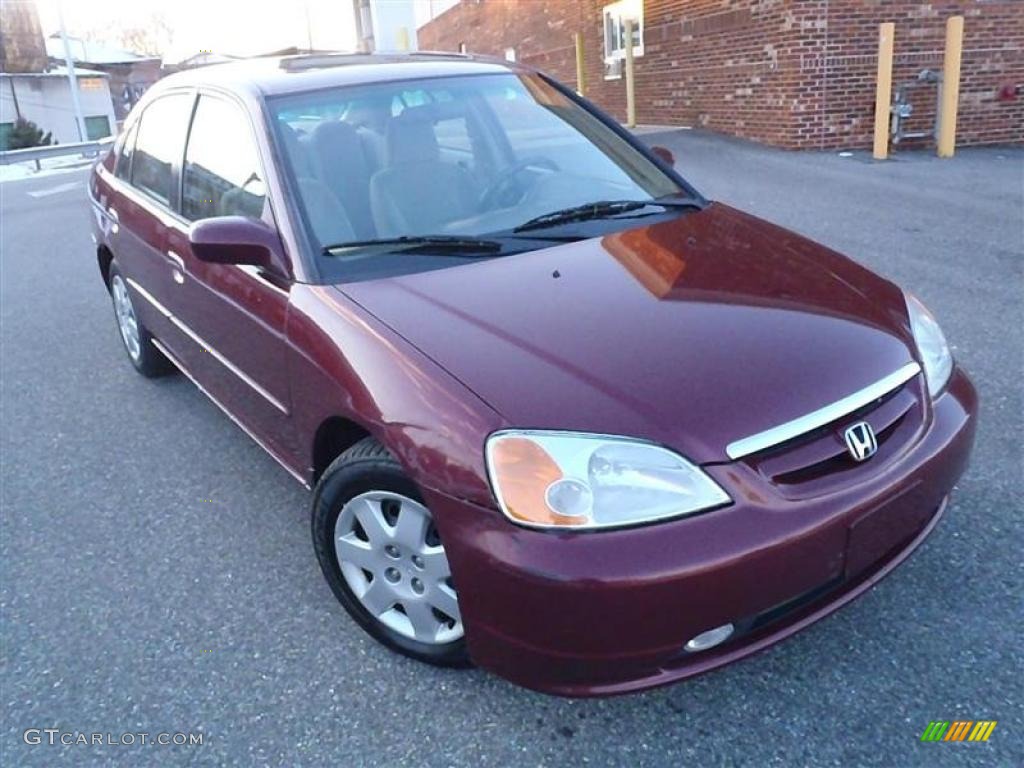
(21, 38)
(792, 73)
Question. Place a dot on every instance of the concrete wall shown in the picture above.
(46, 101)
(792, 73)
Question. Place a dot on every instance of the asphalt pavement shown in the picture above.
(156, 571)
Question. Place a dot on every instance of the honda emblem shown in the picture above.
(860, 441)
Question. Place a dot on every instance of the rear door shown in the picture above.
(235, 315)
(142, 204)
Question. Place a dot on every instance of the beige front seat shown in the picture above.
(418, 193)
(342, 166)
(327, 217)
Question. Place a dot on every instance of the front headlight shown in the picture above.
(931, 345)
(576, 480)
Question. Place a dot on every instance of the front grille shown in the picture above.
(816, 460)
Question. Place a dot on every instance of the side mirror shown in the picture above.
(236, 240)
(664, 154)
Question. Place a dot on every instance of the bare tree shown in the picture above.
(152, 36)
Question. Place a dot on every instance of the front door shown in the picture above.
(234, 315)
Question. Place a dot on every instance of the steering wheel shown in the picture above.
(499, 192)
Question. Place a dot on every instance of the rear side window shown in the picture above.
(123, 169)
(222, 171)
(159, 145)
(453, 133)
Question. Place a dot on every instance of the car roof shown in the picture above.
(274, 75)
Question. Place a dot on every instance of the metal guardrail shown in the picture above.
(85, 148)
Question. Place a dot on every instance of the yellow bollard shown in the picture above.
(950, 86)
(402, 35)
(630, 83)
(580, 76)
(883, 89)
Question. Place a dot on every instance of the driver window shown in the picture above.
(222, 174)
(453, 135)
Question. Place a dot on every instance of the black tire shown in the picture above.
(368, 466)
(149, 361)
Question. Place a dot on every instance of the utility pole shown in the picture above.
(309, 29)
(72, 78)
(357, 12)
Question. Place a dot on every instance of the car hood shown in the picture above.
(692, 332)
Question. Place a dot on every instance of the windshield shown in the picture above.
(472, 158)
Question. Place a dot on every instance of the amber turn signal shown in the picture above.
(524, 472)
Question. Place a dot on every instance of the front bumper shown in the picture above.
(586, 614)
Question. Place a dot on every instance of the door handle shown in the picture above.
(179, 267)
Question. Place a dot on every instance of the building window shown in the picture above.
(615, 16)
(462, 48)
(510, 54)
(97, 127)
(5, 135)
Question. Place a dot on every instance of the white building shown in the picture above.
(390, 25)
(45, 99)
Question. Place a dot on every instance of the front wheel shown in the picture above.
(380, 551)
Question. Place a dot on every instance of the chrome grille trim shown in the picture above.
(819, 418)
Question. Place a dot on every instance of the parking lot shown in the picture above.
(157, 572)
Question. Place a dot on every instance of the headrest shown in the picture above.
(411, 136)
(295, 151)
(333, 137)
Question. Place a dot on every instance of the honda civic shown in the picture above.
(561, 416)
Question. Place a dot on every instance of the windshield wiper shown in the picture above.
(602, 209)
(443, 245)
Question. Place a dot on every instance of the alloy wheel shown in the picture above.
(126, 320)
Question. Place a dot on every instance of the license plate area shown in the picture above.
(885, 530)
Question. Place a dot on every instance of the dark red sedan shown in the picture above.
(562, 416)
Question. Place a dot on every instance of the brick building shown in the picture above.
(21, 38)
(792, 73)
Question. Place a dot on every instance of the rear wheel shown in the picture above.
(382, 556)
(138, 343)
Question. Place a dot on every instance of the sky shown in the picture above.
(232, 27)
